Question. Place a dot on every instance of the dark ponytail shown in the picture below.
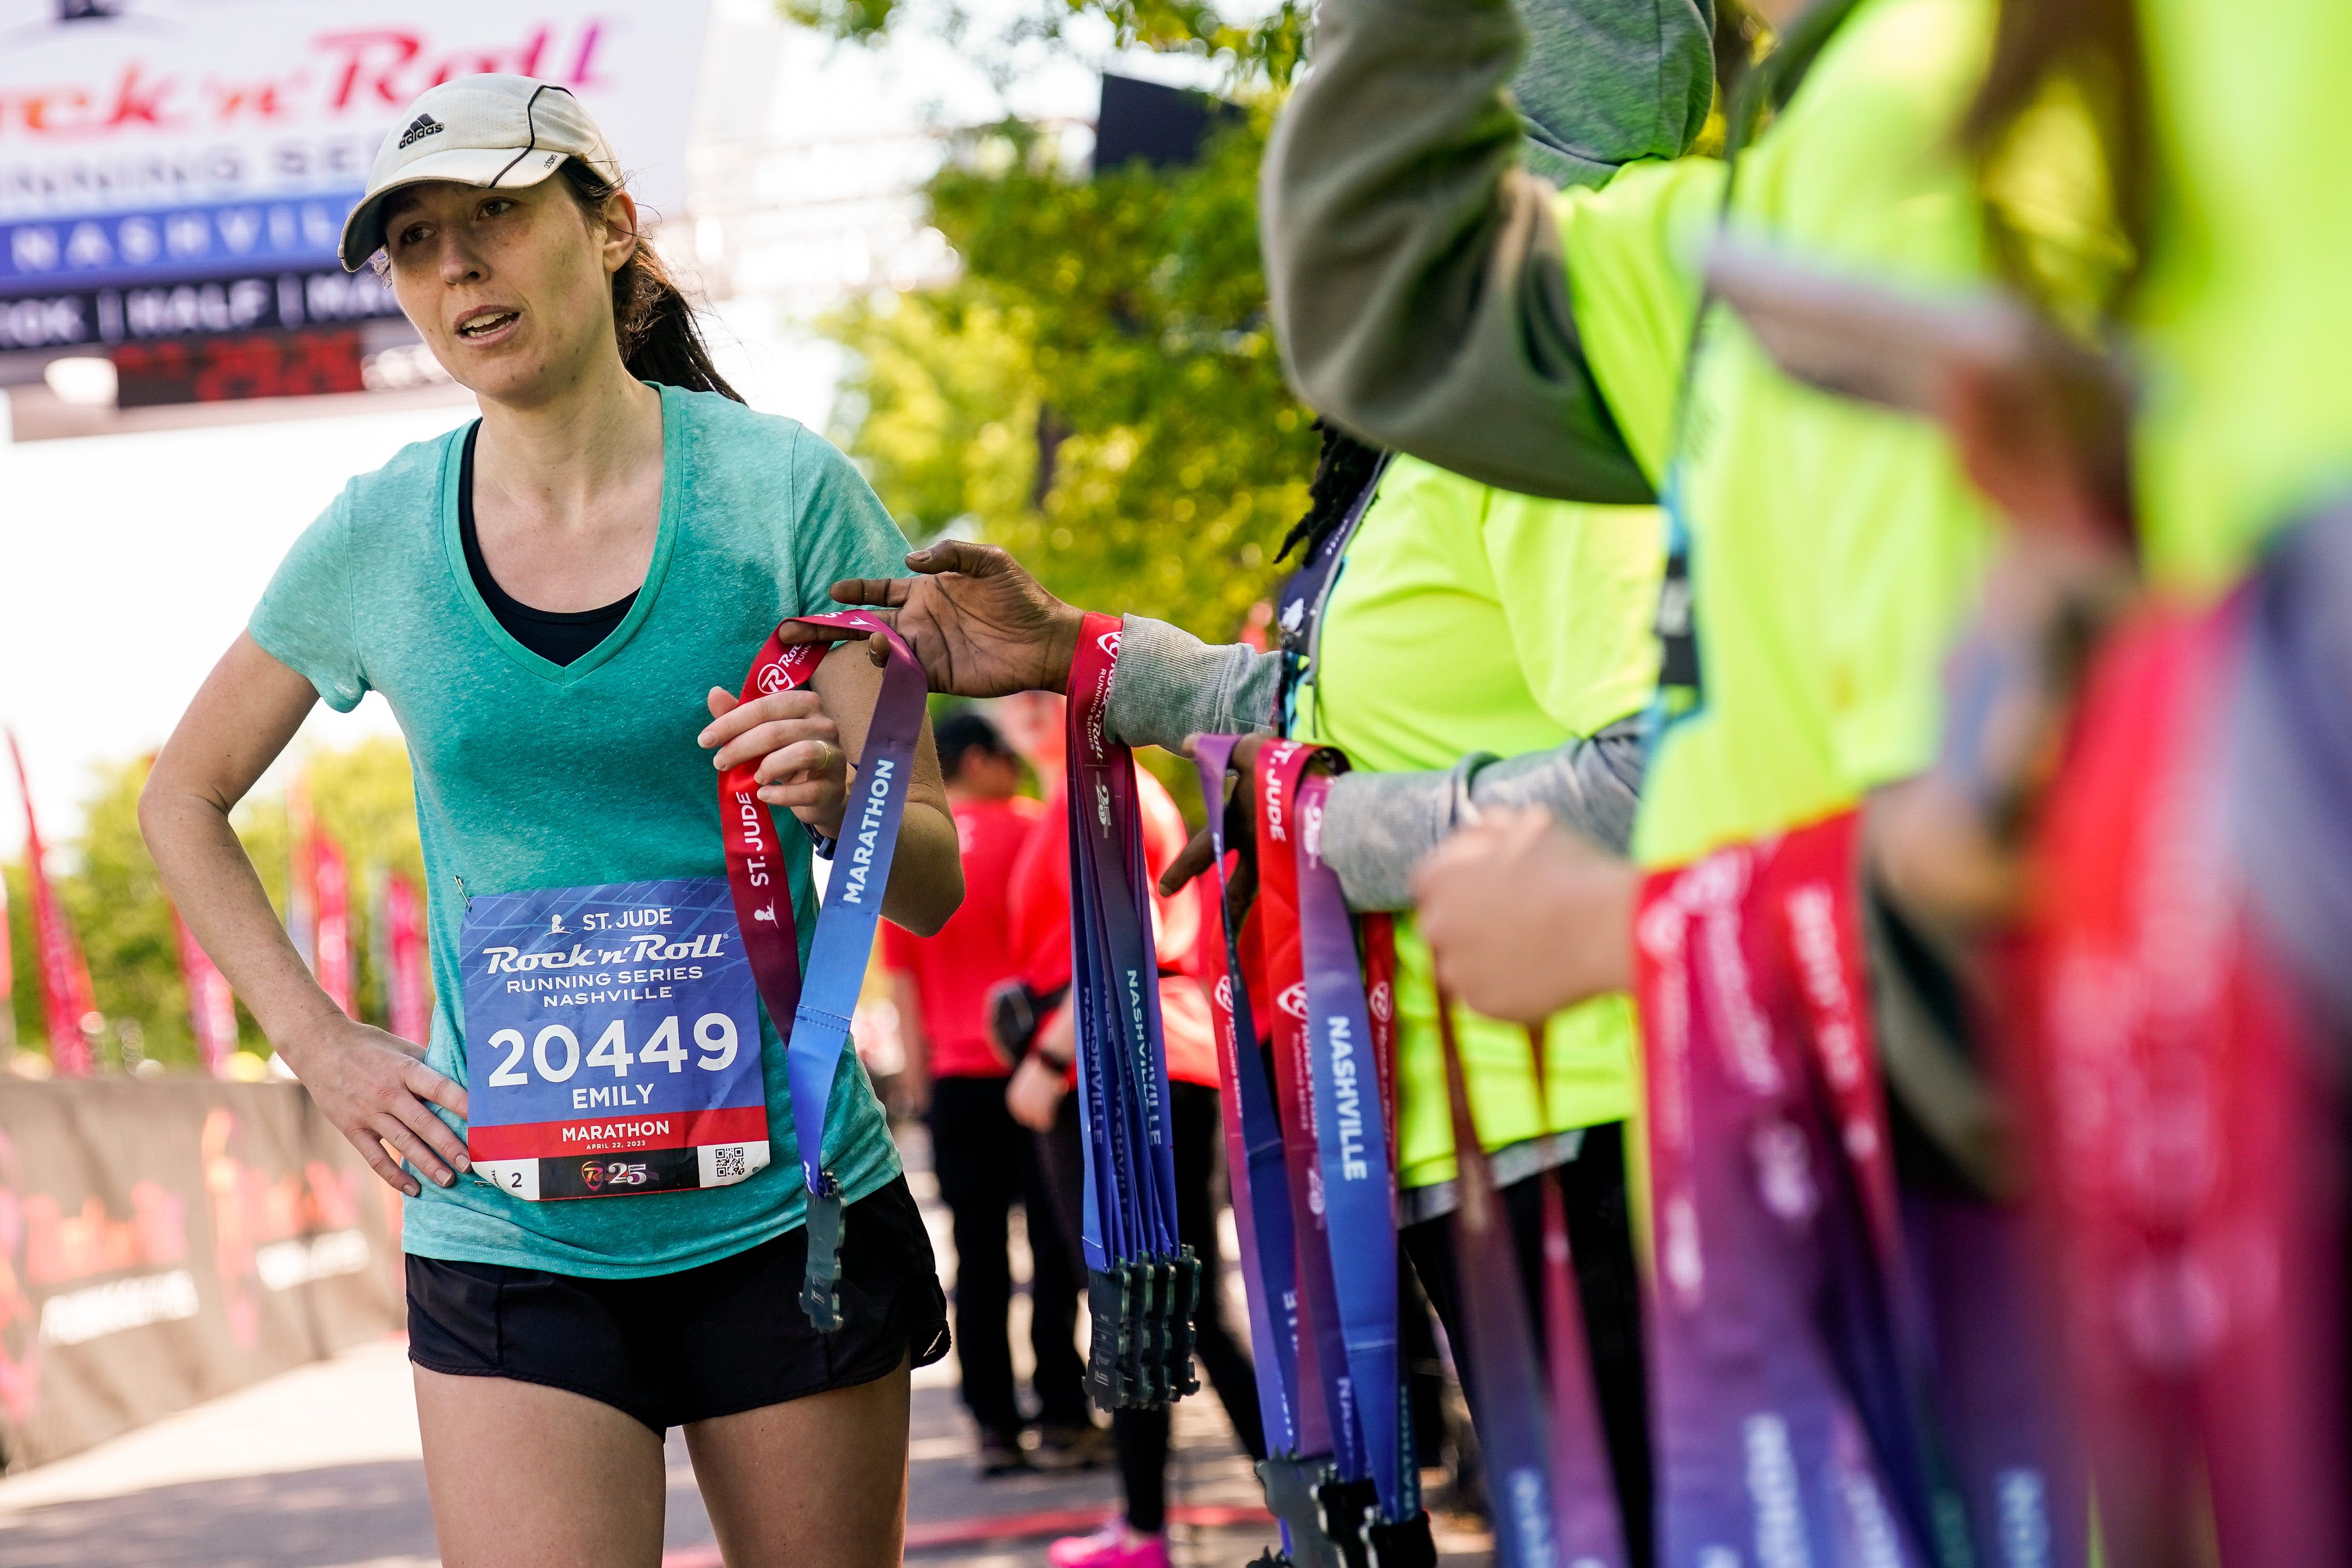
(659, 339)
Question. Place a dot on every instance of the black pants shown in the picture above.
(1141, 1435)
(1601, 1233)
(986, 1163)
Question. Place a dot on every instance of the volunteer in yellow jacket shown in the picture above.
(1823, 553)
(1830, 549)
(557, 602)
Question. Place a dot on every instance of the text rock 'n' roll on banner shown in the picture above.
(184, 166)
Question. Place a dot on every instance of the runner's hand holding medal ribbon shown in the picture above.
(660, 978)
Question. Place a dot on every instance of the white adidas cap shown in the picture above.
(487, 131)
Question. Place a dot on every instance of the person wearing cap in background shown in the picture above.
(545, 597)
(986, 1161)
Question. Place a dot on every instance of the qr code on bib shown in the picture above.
(728, 1161)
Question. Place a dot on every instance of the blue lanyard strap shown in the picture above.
(820, 1007)
(1143, 1281)
(1254, 1156)
(1352, 1150)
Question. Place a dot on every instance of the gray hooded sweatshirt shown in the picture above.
(1605, 83)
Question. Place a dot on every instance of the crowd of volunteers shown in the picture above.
(1806, 925)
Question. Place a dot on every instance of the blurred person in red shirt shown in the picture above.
(1039, 1097)
(986, 1162)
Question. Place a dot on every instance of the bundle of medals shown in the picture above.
(1142, 1284)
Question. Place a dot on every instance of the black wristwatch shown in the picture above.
(821, 845)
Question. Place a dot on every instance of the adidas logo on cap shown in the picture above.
(424, 125)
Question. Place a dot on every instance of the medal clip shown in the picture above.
(1291, 1485)
(820, 1295)
(1107, 1307)
(1404, 1544)
(1146, 1337)
(1184, 1275)
(1350, 1509)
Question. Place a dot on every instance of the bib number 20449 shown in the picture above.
(612, 1041)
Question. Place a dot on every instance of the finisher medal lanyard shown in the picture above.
(1583, 1489)
(1553, 1497)
(1328, 1040)
(1791, 1418)
(1143, 1283)
(820, 1011)
(1298, 1430)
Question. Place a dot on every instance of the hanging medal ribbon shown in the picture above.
(2186, 1121)
(1501, 1346)
(1298, 1430)
(1584, 1496)
(1337, 1127)
(821, 1010)
(1322, 1345)
(1789, 1422)
(1143, 1283)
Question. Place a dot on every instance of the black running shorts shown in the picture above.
(670, 1349)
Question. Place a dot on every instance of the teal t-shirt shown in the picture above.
(531, 774)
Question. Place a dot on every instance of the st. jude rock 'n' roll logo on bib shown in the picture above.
(611, 1040)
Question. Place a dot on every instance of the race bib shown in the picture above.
(611, 1041)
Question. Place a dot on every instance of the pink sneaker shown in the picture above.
(1112, 1546)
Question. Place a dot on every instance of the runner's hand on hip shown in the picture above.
(1525, 918)
(802, 764)
(374, 1088)
(981, 626)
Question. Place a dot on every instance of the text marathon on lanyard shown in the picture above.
(1334, 1087)
(1142, 1283)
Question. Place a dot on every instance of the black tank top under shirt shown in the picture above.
(558, 636)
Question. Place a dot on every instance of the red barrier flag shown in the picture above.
(301, 881)
(66, 998)
(403, 919)
(7, 977)
(331, 883)
(212, 1008)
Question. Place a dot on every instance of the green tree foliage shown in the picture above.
(1100, 392)
(1262, 46)
(111, 892)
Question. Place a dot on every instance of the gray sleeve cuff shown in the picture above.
(1593, 785)
(1169, 685)
(1377, 827)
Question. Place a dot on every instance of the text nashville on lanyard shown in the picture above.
(1311, 1150)
(659, 977)
(1142, 1283)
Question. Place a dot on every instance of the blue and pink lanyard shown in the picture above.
(820, 1011)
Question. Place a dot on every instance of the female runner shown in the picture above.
(550, 599)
